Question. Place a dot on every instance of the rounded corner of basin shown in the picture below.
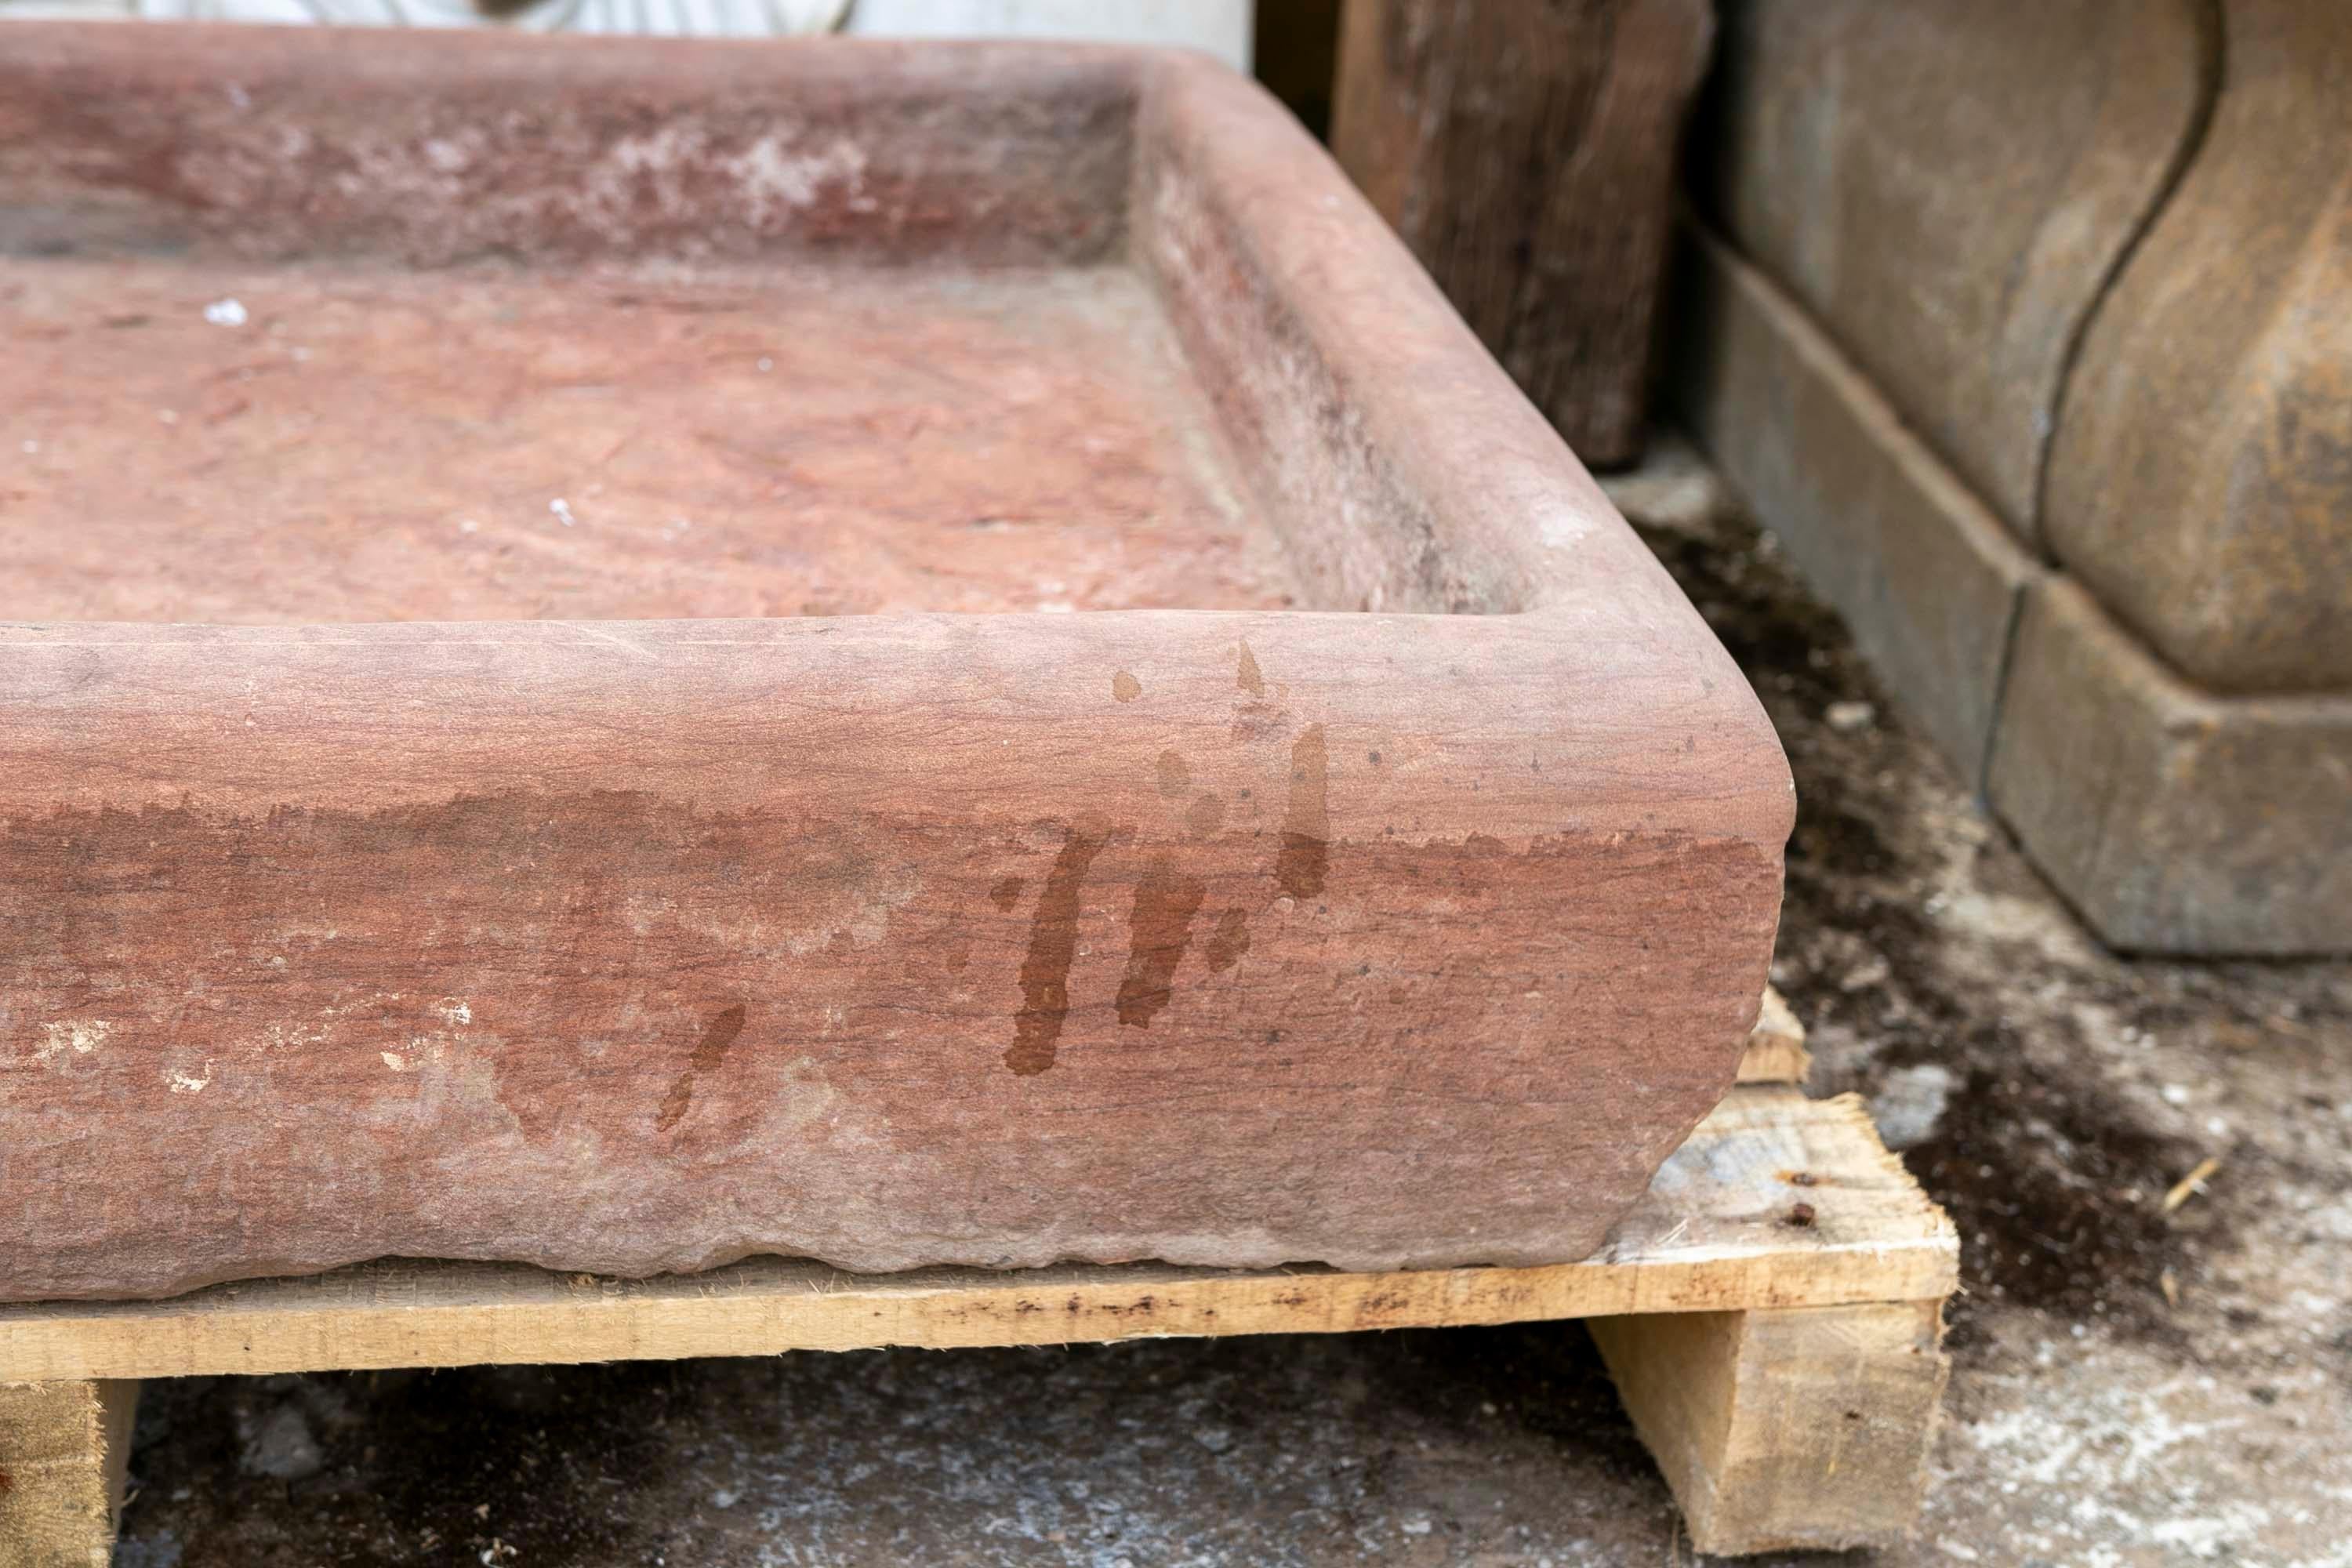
(1188, 67)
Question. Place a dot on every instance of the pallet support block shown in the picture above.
(64, 1447)
(1806, 1429)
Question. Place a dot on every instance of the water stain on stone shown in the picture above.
(1125, 688)
(1007, 892)
(1306, 825)
(1175, 778)
(1206, 815)
(1159, 931)
(1255, 718)
(708, 1052)
(1052, 944)
(1229, 941)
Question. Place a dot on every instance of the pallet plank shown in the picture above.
(1720, 1229)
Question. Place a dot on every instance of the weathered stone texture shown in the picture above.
(581, 887)
(2176, 821)
(2202, 484)
(1925, 577)
(1945, 185)
(2085, 263)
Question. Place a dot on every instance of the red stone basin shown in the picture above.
(621, 655)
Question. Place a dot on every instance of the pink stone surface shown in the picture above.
(1390, 877)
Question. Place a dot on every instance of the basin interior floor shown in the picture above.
(185, 441)
(2132, 1385)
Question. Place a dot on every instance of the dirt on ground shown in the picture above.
(2149, 1370)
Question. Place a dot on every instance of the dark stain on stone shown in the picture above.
(1007, 892)
(674, 1104)
(1306, 825)
(1175, 778)
(1125, 688)
(1159, 931)
(1246, 675)
(716, 1035)
(1229, 941)
(1052, 944)
(1206, 815)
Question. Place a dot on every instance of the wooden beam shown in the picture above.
(1801, 1429)
(64, 1447)
(1525, 151)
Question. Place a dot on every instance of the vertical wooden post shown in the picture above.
(1802, 1429)
(1525, 149)
(64, 1447)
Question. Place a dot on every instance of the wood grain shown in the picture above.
(64, 1447)
(1526, 152)
(1776, 1047)
(1797, 1429)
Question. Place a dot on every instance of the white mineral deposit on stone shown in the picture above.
(80, 1036)
(183, 1082)
(224, 313)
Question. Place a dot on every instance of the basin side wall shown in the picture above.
(280, 143)
(888, 941)
(1375, 938)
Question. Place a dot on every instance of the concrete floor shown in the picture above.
(2131, 1386)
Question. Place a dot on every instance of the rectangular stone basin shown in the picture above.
(621, 655)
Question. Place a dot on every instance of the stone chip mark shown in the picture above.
(710, 1051)
(1053, 945)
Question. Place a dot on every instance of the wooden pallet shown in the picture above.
(1771, 1311)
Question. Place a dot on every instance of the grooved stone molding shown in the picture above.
(2022, 324)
